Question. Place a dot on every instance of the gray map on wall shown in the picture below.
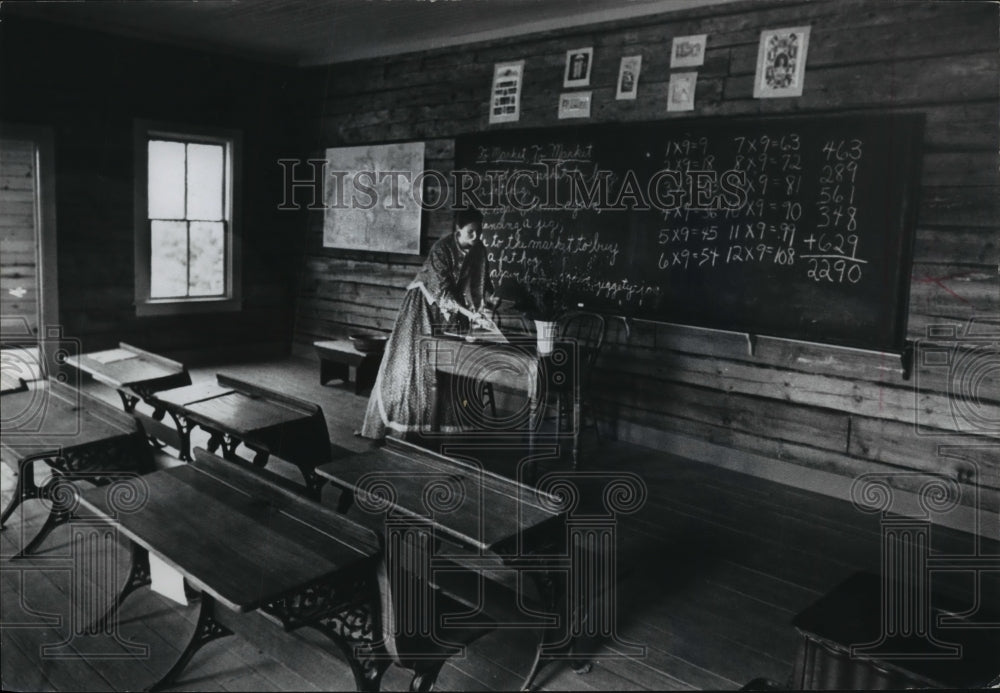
(367, 192)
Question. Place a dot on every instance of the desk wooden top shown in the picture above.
(242, 413)
(514, 364)
(235, 536)
(341, 346)
(189, 394)
(493, 508)
(225, 406)
(127, 366)
(55, 417)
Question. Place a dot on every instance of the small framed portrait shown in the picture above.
(578, 64)
(628, 77)
(688, 51)
(781, 62)
(680, 93)
(574, 104)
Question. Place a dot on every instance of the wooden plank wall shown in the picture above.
(89, 91)
(18, 258)
(790, 411)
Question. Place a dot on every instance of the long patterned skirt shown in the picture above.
(402, 399)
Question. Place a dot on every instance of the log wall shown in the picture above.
(806, 414)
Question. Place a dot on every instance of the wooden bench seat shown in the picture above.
(339, 359)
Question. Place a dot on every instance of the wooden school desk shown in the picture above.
(136, 374)
(462, 368)
(75, 435)
(268, 422)
(265, 554)
(498, 523)
(860, 636)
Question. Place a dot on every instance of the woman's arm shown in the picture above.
(443, 270)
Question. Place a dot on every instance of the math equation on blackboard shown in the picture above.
(797, 227)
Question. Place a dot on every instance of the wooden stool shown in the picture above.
(338, 358)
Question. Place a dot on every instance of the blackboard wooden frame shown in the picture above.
(872, 319)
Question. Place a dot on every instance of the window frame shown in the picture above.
(231, 300)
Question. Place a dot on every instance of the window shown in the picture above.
(186, 254)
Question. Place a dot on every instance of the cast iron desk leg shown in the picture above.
(207, 630)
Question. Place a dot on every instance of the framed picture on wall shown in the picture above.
(578, 64)
(688, 51)
(680, 93)
(574, 104)
(505, 102)
(628, 77)
(781, 62)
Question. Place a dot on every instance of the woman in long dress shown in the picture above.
(454, 274)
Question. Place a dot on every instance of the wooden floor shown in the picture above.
(712, 569)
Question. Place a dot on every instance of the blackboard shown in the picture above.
(795, 227)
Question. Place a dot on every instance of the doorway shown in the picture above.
(29, 313)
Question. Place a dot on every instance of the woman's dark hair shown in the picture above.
(468, 215)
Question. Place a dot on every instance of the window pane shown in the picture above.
(205, 181)
(208, 258)
(168, 259)
(166, 180)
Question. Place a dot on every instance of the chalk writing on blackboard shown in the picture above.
(792, 227)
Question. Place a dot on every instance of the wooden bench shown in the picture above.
(339, 359)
